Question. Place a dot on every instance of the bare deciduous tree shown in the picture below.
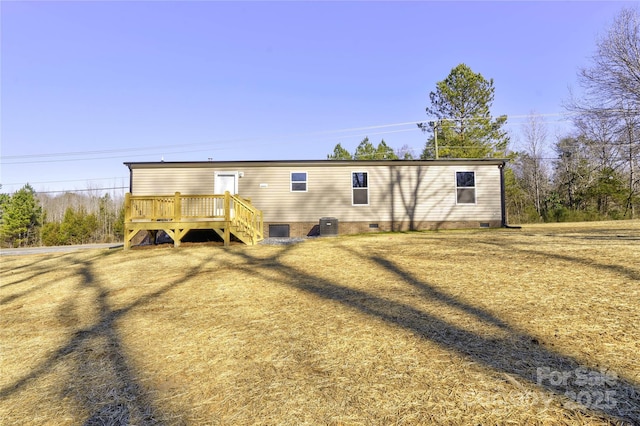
(534, 171)
(611, 99)
(614, 75)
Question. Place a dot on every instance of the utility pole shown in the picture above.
(434, 124)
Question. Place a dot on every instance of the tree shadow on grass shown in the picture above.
(101, 380)
(37, 288)
(34, 289)
(627, 271)
(4, 271)
(516, 354)
(8, 280)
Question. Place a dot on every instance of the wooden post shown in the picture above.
(154, 208)
(177, 216)
(127, 220)
(227, 218)
(177, 208)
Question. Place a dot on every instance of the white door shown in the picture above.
(223, 182)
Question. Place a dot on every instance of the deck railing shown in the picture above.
(234, 214)
(247, 219)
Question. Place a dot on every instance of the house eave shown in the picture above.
(312, 163)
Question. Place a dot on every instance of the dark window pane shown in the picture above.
(465, 179)
(466, 195)
(360, 196)
(359, 180)
(298, 177)
(299, 186)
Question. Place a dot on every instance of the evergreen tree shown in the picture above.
(51, 234)
(339, 153)
(21, 218)
(463, 126)
(365, 150)
(78, 227)
(385, 152)
(5, 199)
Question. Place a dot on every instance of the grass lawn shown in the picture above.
(539, 325)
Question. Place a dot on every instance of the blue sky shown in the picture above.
(86, 86)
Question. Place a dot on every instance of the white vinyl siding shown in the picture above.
(160, 181)
(406, 191)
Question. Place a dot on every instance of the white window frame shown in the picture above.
(306, 182)
(353, 188)
(474, 187)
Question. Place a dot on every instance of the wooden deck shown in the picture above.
(178, 214)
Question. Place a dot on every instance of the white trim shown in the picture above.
(353, 188)
(306, 181)
(474, 187)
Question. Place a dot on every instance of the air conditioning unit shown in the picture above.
(328, 226)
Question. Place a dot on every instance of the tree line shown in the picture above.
(31, 219)
(590, 173)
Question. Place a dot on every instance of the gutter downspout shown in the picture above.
(130, 178)
(503, 200)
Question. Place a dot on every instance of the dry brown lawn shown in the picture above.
(532, 326)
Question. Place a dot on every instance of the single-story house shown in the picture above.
(298, 198)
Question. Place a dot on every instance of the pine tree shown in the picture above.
(463, 125)
(385, 152)
(21, 218)
(339, 153)
(365, 150)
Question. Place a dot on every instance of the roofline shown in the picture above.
(266, 163)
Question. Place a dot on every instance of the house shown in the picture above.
(295, 198)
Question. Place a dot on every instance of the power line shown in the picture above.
(160, 147)
(266, 143)
(82, 190)
(98, 158)
(67, 180)
(100, 154)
